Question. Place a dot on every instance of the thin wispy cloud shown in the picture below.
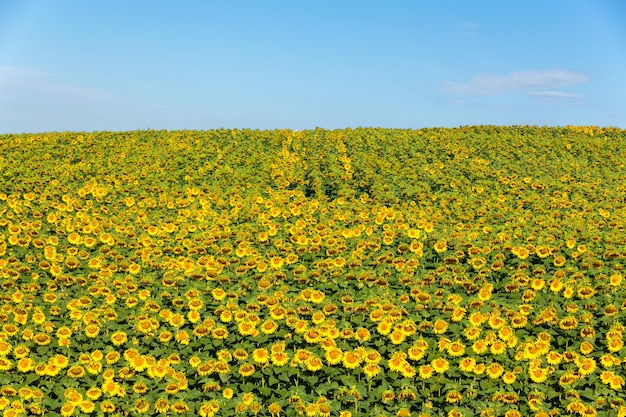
(555, 94)
(469, 29)
(541, 83)
(35, 101)
(23, 85)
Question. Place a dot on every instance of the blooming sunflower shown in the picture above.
(313, 364)
(537, 374)
(246, 370)
(586, 366)
(333, 355)
(76, 371)
(269, 327)
(219, 333)
(426, 371)
(279, 358)
(467, 364)
(397, 337)
(118, 338)
(440, 326)
(617, 382)
(498, 347)
(440, 365)
(494, 370)
(67, 409)
(162, 405)
(508, 378)
(351, 360)
(455, 349)
(416, 353)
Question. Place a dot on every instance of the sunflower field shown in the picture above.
(475, 271)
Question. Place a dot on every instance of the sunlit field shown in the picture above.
(476, 271)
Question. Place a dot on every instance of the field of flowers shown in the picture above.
(358, 272)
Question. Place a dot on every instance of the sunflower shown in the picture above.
(384, 327)
(182, 337)
(568, 292)
(372, 356)
(538, 375)
(274, 409)
(111, 388)
(543, 251)
(397, 337)
(455, 349)
(440, 327)
(397, 362)
(239, 354)
(362, 335)
(616, 279)
(568, 378)
(586, 292)
(426, 371)
(312, 336)
(67, 409)
(586, 366)
(617, 382)
(118, 338)
(441, 246)
(480, 369)
(371, 370)
(112, 357)
(86, 406)
(467, 364)
(453, 397)
(42, 339)
(269, 327)
(279, 358)
(205, 368)
(171, 388)
(162, 405)
(416, 353)
(607, 360)
(472, 333)
(219, 333)
(222, 367)
(440, 365)
(92, 330)
(508, 378)
(615, 344)
(407, 370)
(554, 358)
(218, 294)
(333, 356)
(141, 406)
(586, 348)
(498, 347)
(314, 364)
(480, 346)
(494, 370)
(23, 365)
(138, 363)
(76, 371)
(94, 368)
(246, 370)
(276, 262)
(568, 323)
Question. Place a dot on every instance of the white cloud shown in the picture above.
(469, 29)
(555, 94)
(538, 83)
(25, 86)
(34, 101)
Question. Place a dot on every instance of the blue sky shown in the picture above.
(152, 64)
